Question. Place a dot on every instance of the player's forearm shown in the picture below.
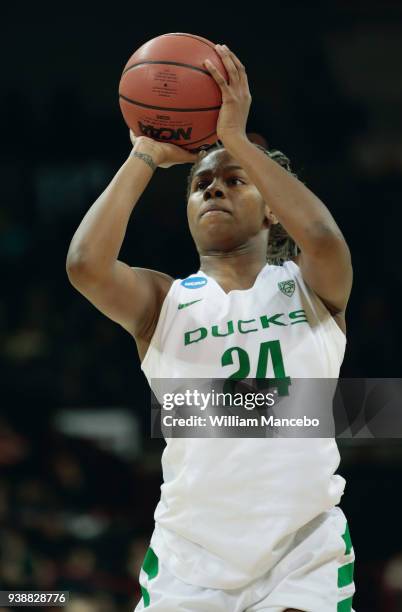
(97, 242)
(302, 214)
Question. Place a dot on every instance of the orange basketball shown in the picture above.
(166, 92)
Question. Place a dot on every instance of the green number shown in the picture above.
(243, 370)
(281, 380)
(244, 362)
(273, 348)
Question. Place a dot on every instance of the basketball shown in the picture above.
(167, 94)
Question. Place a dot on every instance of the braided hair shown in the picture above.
(281, 247)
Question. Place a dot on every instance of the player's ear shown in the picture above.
(270, 218)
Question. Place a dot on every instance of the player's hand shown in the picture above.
(236, 97)
(163, 154)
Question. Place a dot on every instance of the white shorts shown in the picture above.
(310, 577)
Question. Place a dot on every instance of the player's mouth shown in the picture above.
(213, 209)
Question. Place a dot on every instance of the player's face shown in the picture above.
(225, 210)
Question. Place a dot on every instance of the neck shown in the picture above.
(233, 270)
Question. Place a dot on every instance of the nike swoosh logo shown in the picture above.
(180, 306)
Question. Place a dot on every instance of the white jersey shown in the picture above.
(230, 506)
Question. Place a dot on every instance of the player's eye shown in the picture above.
(232, 180)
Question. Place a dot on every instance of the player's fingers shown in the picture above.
(216, 75)
(235, 59)
(181, 155)
(241, 69)
(189, 157)
(228, 62)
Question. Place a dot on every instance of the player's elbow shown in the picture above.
(78, 268)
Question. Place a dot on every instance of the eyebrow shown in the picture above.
(230, 167)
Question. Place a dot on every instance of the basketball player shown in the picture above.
(242, 524)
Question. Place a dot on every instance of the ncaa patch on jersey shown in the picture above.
(287, 287)
(194, 282)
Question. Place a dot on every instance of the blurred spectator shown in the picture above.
(392, 584)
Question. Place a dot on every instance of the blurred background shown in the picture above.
(79, 474)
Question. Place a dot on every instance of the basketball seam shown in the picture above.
(199, 38)
(164, 108)
(166, 62)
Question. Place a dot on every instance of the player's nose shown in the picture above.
(214, 190)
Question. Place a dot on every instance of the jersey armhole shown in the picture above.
(161, 319)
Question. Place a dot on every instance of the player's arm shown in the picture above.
(325, 258)
(324, 261)
(129, 296)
